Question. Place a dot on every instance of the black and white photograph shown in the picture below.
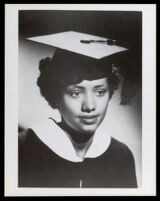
(80, 106)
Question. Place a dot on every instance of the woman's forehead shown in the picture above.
(90, 83)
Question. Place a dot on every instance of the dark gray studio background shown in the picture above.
(123, 122)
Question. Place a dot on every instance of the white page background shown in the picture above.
(148, 102)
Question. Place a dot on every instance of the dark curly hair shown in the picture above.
(69, 68)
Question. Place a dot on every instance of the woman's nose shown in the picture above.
(88, 103)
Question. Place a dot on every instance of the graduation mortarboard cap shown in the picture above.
(79, 53)
(81, 43)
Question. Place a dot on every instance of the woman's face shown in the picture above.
(83, 106)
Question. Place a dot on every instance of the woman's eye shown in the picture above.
(100, 92)
(75, 93)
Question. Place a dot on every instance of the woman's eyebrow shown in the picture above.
(77, 87)
(102, 85)
(82, 87)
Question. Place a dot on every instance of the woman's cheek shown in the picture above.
(71, 105)
(102, 103)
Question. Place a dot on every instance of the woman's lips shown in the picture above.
(92, 119)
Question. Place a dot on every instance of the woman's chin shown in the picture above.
(88, 130)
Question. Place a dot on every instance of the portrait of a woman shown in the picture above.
(79, 81)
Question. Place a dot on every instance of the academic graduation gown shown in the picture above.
(47, 159)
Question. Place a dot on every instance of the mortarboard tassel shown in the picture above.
(108, 42)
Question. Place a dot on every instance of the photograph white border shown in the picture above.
(148, 102)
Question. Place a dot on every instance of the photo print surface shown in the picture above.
(80, 99)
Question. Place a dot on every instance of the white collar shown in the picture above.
(56, 139)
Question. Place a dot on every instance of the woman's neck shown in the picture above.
(76, 136)
(81, 142)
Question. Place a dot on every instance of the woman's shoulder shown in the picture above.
(26, 134)
(30, 147)
(121, 161)
(116, 143)
(28, 140)
(120, 149)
